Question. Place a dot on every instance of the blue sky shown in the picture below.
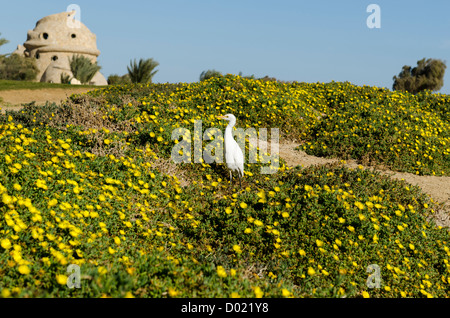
(306, 41)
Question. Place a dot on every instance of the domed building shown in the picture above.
(54, 40)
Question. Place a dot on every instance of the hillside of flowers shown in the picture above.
(92, 183)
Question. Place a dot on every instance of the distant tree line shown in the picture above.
(138, 72)
(16, 67)
(427, 75)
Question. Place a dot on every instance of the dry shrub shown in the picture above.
(82, 111)
(90, 113)
(116, 148)
(167, 167)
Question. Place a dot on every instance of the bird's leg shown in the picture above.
(240, 186)
(231, 176)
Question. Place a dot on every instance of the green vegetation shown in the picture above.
(143, 71)
(82, 68)
(115, 79)
(92, 183)
(16, 67)
(11, 84)
(2, 42)
(427, 75)
(205, 75)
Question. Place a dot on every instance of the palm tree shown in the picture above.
(142, 72)
(3, 41)
(82, 68)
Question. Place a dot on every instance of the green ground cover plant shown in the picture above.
(91, 183)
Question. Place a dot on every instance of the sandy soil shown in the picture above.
(13, 99)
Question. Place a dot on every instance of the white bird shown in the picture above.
(233, 153)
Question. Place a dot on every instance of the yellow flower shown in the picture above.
(365, 294)
(243, 205)
(237, 249)
(235, 295)
(285, 292)
(6, 293)
(308, 188)
(61, 279)
(302, 252)
(258, 223)
(375, 238)
(129, 295)
(311, 271)
(341, 220)
(221, 271)
(24, 269)
(52, 202)
(228, 210)
(102, 270)
(6, 244)
(359, 205)
(6, 199)
(319, 243)
(285, 214)
(400, 228)
(172, 292)
(17, 187)
(111, 250)
(258, 292)
(248, 230)
(117, 240)
(351, 228)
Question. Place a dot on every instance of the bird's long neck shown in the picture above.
(229, 130)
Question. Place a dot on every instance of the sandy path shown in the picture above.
(13, 99)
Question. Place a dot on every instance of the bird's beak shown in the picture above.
(219, 117)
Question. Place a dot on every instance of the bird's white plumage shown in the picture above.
(234, 157)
